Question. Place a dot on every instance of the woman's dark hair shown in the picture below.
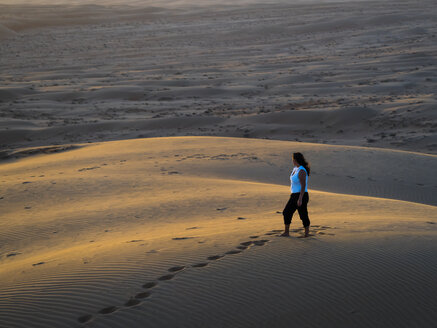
(298, 157)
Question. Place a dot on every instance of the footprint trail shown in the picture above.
(243, 246)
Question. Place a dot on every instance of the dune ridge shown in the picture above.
(179, 225)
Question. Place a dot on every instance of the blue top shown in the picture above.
(295, 182)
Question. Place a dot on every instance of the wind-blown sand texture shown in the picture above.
(167, 232)
(138, 187)
(355, 73)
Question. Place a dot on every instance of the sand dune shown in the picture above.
(4, 33)
(344, 169)
(148, 231)
(79, 66)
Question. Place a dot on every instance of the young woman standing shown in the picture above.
(299, 194)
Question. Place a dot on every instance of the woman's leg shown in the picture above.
(288, 212)
(303, 214)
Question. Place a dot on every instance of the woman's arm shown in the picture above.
(302, 179)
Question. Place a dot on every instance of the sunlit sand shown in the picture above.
(149, 230)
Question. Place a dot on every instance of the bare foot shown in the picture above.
(307, 231)
(284, 234)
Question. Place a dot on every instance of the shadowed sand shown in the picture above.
(98, 234)
(350, 72)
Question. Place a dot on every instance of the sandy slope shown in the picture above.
(85, 229)
(356, 73)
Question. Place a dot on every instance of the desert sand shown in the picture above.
(89, 230)
(145, 153)
(350, 73)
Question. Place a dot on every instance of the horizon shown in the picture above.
(170, 3)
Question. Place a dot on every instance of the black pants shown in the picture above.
(291, 207)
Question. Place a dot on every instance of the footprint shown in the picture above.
(221, 209)
(12, 254)
(253, 237)
(260, 242)
(200, 265)
(176, 268)
(132, 302)
(108, 309)
(85, 318)
(39, 263)
(182, 238)
(246, 243)
(88, 168)
(270, 233)
(166, 277)
(135, 240)
(191, 228)
(214, 257)
(241, 218)
(302, 236)
(150, 284)
(142, 295)
(430, 222)
(242, 247)
(276, 230)
(233, 252)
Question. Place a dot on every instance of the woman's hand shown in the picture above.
(299, 202)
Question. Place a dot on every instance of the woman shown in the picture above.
(299, 194)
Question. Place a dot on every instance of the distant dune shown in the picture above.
(350, 73)
(165, 3)
(6, 32)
